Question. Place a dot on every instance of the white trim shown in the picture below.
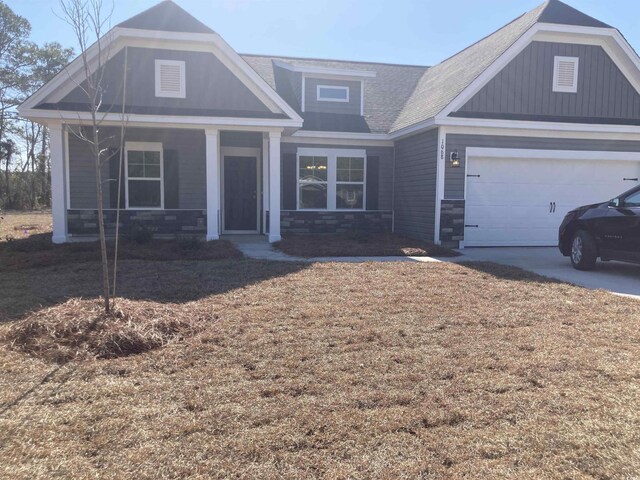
(143, 147)
(265, 180)
(203, 42)
(440, 181)
(274, 187)
(575, 62)
(603, 156)
(58, 197)
(239, 152)
(177, 121)
(67, 167)
(415, 128)
(182, 93)
(320, 98)
(331, 154)
(212, 154)
(333, 72)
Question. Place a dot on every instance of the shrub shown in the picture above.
(189, 242)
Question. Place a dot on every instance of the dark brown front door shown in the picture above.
(240, 194)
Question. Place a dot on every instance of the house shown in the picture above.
(489, 147)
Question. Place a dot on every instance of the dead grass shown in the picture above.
(25, 242)
(359, 245)
(18, 225)
(379, 370)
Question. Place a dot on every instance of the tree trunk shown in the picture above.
(103, 240)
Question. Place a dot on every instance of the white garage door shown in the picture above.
(522, 201)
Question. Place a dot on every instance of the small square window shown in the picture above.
(565, 74)
(170, 79)
(330, 93)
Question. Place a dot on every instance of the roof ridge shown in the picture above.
(288, 57)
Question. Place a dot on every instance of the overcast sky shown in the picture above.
(422, 32)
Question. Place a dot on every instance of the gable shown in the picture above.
(211, 88)
(523, 89)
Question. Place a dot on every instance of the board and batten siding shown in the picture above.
(352, 107)
(415, 185)
(455, 177)
(210, 85)
(385, 172)
(191, 154)
(524, 88)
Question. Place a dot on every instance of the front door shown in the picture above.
(240, 194)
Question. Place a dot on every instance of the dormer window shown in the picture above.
(331, 93)
(565, 74)
(170, 79)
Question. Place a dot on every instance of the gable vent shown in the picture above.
(170, 79)
(565, 74)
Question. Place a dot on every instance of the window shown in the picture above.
(170, 79)
(565, 74)
(328, 93)
(313, 182)
(350, 182)
(331, 179)
(144, 186)
(632, 200)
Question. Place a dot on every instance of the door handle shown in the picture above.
(554, 207)
(550, 207)
(630, 179)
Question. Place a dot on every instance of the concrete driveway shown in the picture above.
(620, 278)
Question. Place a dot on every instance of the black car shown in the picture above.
(610, 231)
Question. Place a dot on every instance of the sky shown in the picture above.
(417, 32)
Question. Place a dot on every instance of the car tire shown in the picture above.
(584, 251)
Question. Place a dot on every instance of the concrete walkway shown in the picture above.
(618, 278)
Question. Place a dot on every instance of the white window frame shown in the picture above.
(143, 147)
(332, 87)
(563, 89)
(183, 88)
(332, 155)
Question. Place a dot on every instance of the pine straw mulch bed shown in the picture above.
(359, 245)
(80, 329)
(37, 250)
(331, 370)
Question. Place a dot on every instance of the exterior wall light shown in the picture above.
(455, 159)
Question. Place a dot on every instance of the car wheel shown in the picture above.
(584, 252)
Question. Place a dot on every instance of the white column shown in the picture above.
(58, 195)
(213, 184)
(274, 186)
(265, 180)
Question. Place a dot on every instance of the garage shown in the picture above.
(519, 197)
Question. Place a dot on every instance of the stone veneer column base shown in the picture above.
(292, 221)
(451, 223)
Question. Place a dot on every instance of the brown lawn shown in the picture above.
(18, 225)
(389, 370)
(359, 245)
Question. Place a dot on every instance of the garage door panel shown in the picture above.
(509, 199)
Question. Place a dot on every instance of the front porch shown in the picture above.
(174, 181)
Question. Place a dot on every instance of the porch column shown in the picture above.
(58, 190)
(213, 183)
(274, 186)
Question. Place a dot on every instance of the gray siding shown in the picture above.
(455, 177)
(524, 88)
(385, 172)
(190, 145)
(313, 105)
(209, 84)
(415, 185)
